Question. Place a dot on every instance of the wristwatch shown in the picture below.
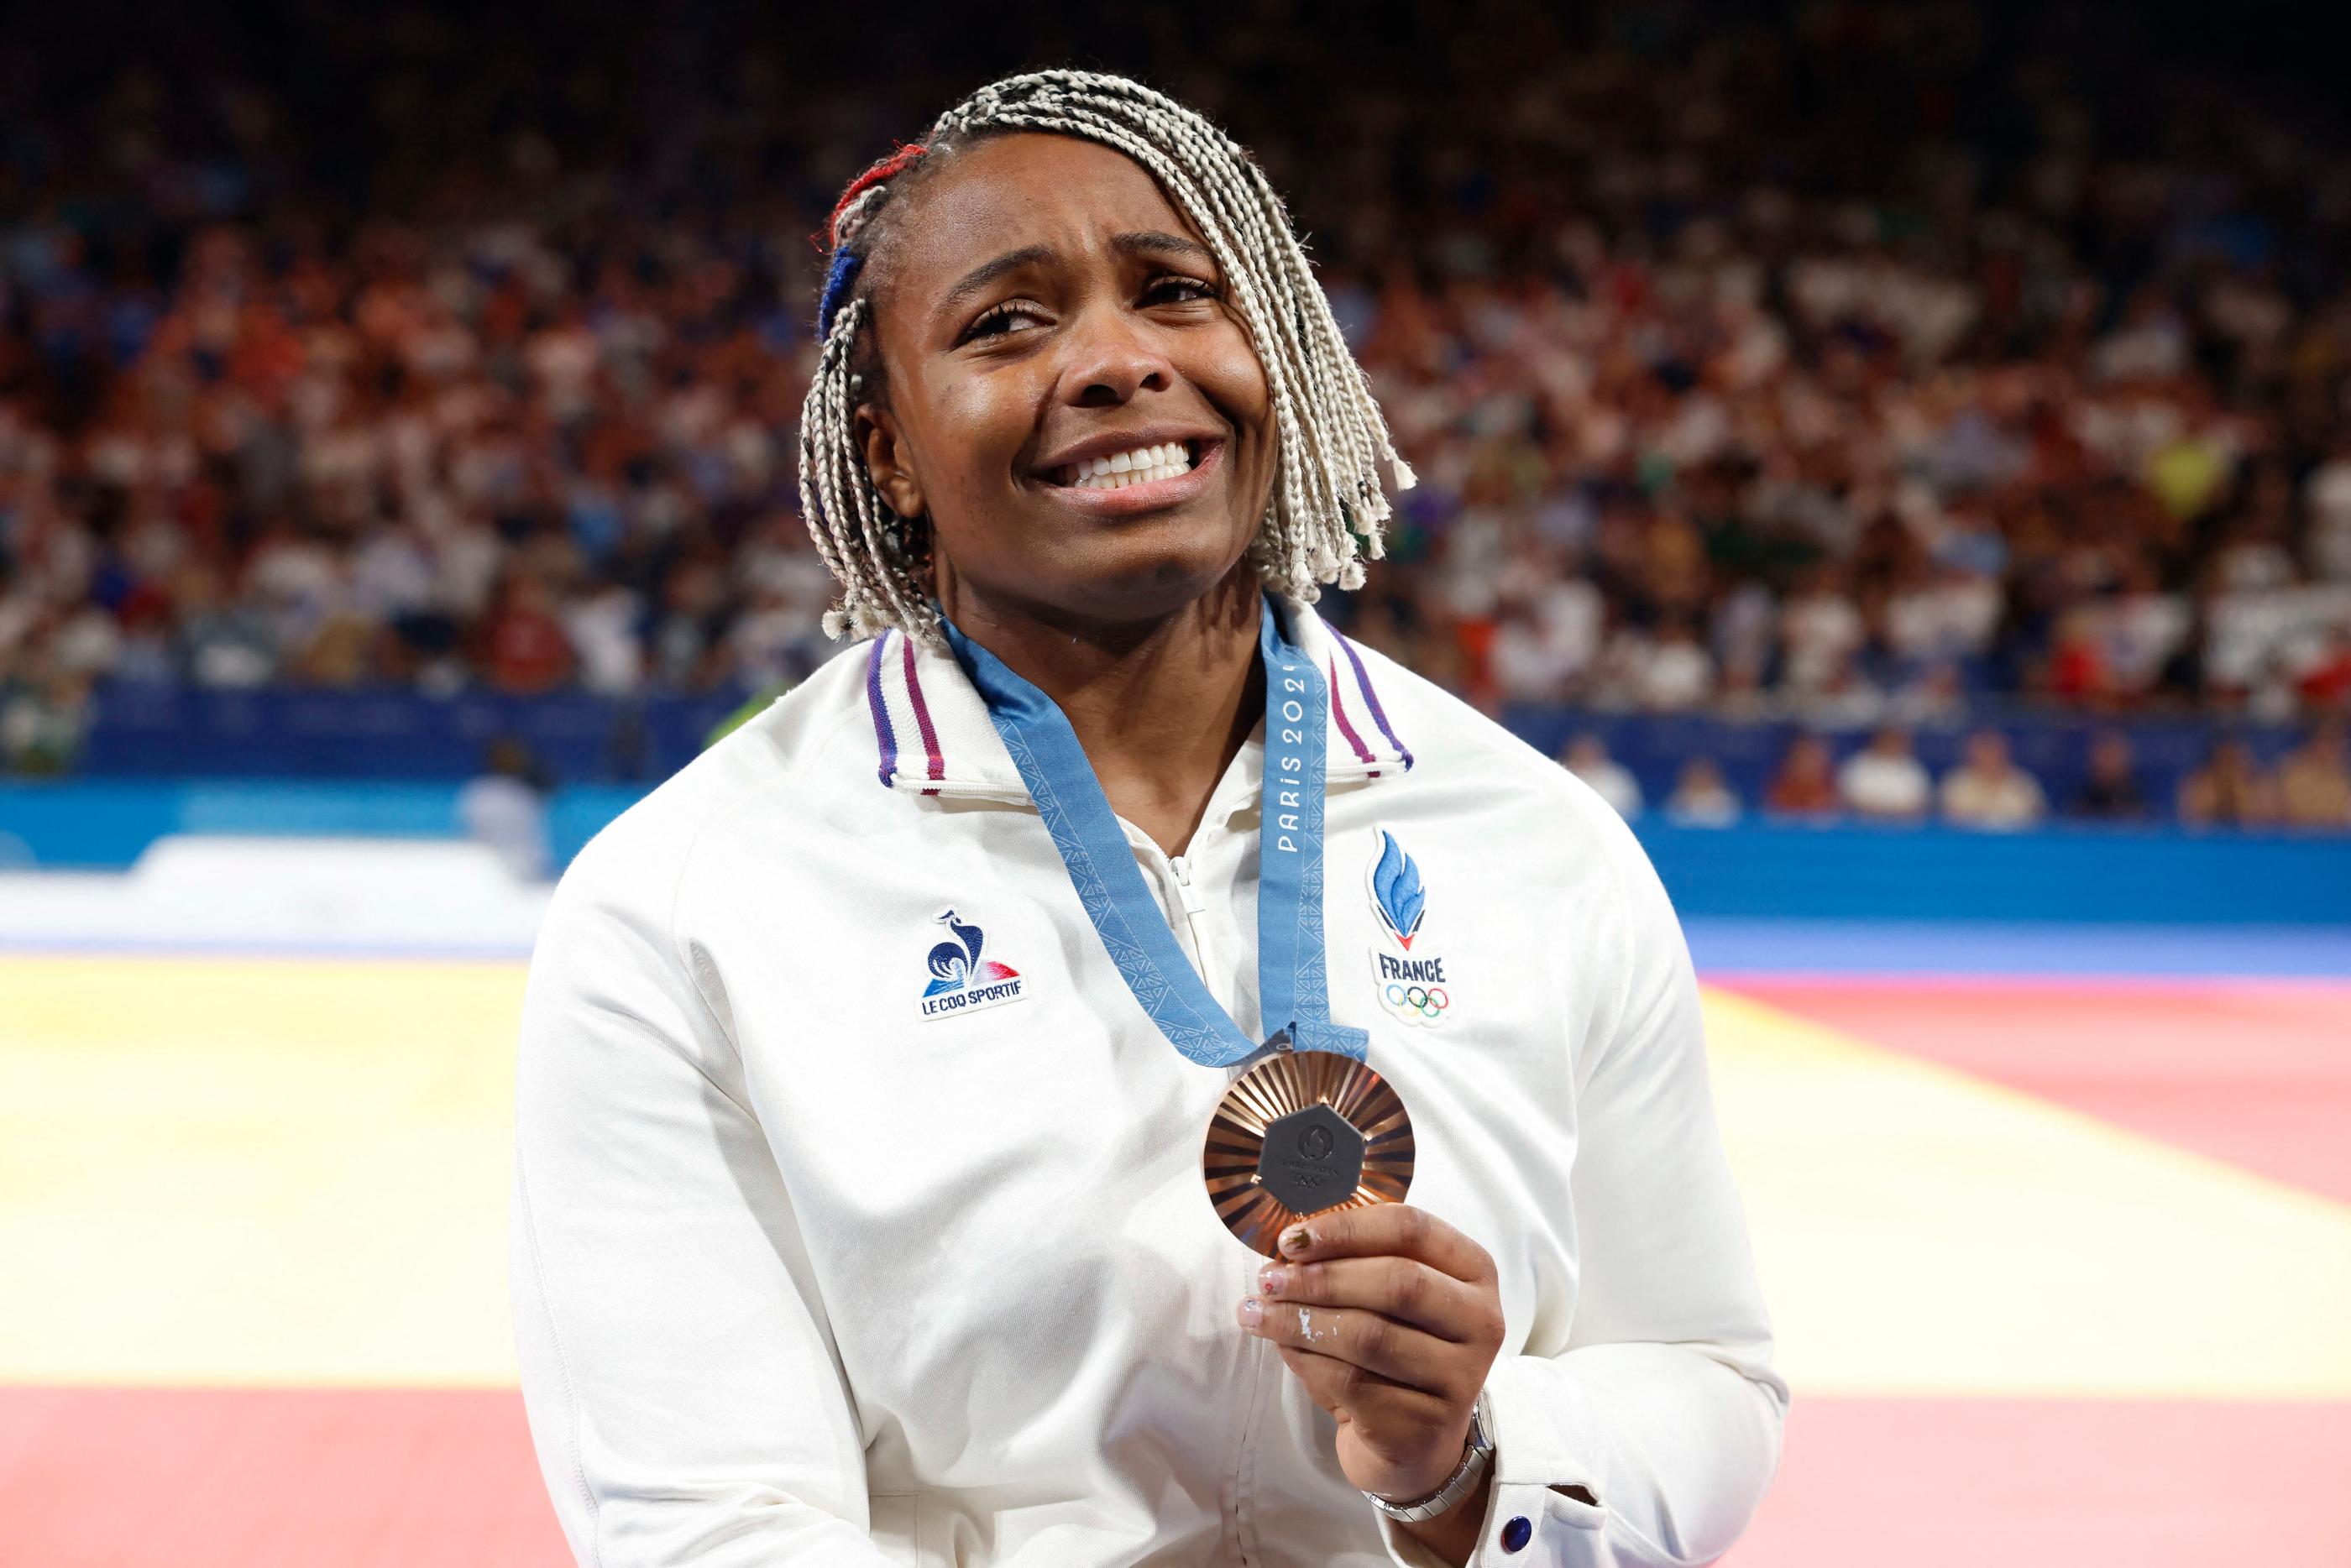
(1478, 1455)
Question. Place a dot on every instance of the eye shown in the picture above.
(1178, 288)
(1000, 319)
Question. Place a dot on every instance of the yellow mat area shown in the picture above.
(293, 1172)
(1923, 1232)
(254, 1172)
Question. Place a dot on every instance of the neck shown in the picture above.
(1161, 706)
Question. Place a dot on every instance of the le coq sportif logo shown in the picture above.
(961, 979)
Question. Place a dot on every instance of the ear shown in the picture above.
(888, 460)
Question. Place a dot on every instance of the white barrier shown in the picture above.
(312, 895)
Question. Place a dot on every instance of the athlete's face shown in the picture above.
(1045, 305)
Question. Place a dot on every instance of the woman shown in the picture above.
(859, 1215)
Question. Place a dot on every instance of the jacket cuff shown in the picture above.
(1538, 1447)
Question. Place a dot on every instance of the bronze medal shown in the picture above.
(1301, 1132)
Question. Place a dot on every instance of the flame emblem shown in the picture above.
(1396, 891)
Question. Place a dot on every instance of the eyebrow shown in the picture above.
(1153, 242)
(980, 276)
(1137, 243)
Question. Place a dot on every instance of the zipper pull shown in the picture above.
(1193, 903)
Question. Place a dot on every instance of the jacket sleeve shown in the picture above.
(1661, 1405)
(676, 1365)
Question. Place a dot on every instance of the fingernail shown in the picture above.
(1271, 1278)
(1296, 1238)
(1252, 1310)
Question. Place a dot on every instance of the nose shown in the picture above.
(1112, 357)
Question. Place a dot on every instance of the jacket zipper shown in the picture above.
(1195, 907)
(1255, 1355)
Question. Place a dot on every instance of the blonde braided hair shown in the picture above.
(1327, 507)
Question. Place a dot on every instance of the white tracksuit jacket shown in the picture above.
(812, 1269)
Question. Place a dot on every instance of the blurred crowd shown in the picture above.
(1855, 368)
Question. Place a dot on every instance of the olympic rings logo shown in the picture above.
(1429, 1000)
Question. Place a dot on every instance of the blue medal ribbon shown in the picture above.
(1293, 986)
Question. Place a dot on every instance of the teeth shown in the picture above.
(1140, 466)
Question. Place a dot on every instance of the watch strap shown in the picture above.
(1478, 1452)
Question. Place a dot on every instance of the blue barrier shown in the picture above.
(1756, 870)
(2123, 875)
(100, 824)
(2052, 747)
(150, 732)
(105, 824)
(146, 732)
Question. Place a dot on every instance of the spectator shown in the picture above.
(1701, 799)
(43, 719)
(1546, 637)
(2313, 786)
(505, 809)
(1587, 758)
(2229, 791)
(1675, 670)
(1989, 791)
(2110, 788)
(221, 642)
(1805, 785)
(1884, 781)
(526, 650)
(2325, 685)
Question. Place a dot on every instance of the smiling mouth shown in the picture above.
(1140, 466)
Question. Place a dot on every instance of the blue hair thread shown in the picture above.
(837, 284)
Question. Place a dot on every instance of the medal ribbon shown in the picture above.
(1293, 986)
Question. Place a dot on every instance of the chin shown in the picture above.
(1143, 579)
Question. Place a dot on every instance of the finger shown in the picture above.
(1381, 1230)
(1377, 1345)
(1413, 1438)
(1398, 1413)
(1404, 1289)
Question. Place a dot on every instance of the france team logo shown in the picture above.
(1410, 985)
(961, 980)
(1396, 892)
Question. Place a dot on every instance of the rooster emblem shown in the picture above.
(957, 965)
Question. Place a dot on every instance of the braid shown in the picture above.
(1327, 508)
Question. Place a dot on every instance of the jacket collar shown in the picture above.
(933, 736)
